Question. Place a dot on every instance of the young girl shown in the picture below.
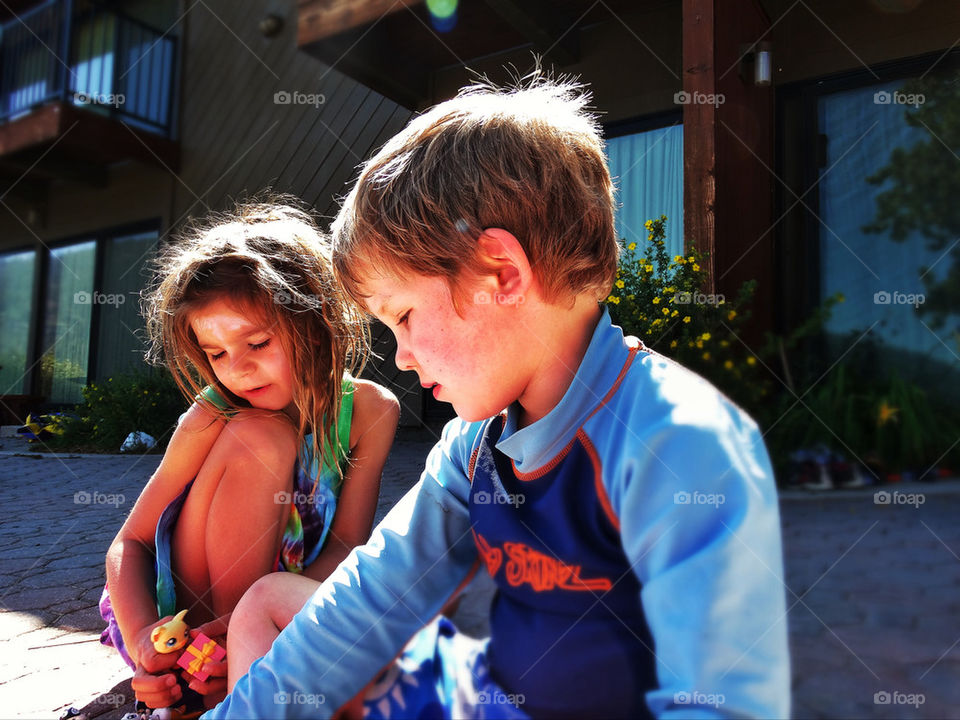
(276, 465)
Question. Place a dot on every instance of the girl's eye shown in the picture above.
(218, 355)
(260, 346)
(403, 320)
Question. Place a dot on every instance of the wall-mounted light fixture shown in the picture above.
(756, 63)
(271, 25)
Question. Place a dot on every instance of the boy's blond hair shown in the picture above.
(527, 159)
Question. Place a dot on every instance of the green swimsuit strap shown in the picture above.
(211, 395)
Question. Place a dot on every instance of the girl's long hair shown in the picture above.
(270, 260)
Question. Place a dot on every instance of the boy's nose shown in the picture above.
(404, 358)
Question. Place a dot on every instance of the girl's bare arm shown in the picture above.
(375, 416)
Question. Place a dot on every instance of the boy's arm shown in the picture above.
(376, 600)
(700, 525)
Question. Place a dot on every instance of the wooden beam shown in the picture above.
(320, 19)
(539, 25)
(699, 133)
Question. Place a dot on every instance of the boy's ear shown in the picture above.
(502, 253)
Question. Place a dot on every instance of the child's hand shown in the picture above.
(157, 691)
(215, 686)
(152, 682)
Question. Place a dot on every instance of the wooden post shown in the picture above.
(728, 153)
(699, 133)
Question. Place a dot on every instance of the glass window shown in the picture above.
(889, 272)
(120, 338)
(67, 314)
(16, 306)
(647, 168)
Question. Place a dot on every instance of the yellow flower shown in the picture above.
(632, 246)
(656, 301)
(648, 224)
(700, 344)
(691, 258)
(666, 311)
(731, 315)
(648, 268)
(728, 364)
(620, 284)
(706, 356)
(886, 413)
(673, 343)
(613, 299)
(705, 336)
(674, 313)
(751, 360)
(650, 236)
(678, 258)
(696, 268)
(686, 319)
(146, 392)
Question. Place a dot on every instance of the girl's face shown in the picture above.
(246, 354)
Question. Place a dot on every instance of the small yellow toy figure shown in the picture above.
(172, 636)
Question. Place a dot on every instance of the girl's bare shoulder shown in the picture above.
(374, 408)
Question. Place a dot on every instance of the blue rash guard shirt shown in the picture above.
(633, 533)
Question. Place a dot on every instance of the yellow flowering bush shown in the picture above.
(660, 300)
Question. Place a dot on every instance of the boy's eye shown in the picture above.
(403, 320)
(260, 346)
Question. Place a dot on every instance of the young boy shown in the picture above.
(625, 509)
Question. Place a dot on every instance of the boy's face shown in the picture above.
(465, 359)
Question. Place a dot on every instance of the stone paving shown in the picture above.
(873, 588)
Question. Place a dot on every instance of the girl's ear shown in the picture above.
(501, 252)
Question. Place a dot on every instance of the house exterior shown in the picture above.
(753, 124)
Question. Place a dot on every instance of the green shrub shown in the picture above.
(659, 300)
(800, 397)
(112, 409)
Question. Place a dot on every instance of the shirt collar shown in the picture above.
(535, 445)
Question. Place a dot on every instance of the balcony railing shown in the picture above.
(94, 57)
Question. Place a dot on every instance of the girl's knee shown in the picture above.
(263, 438)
